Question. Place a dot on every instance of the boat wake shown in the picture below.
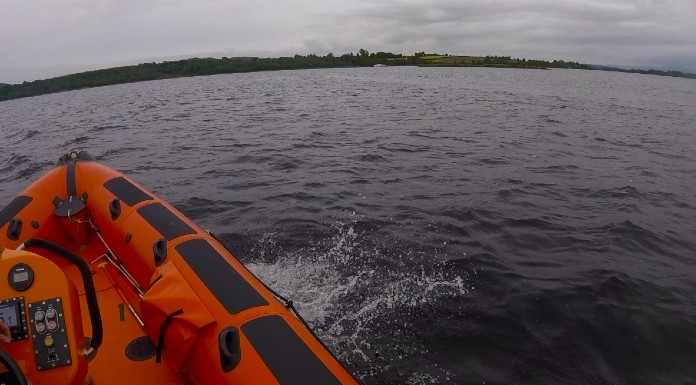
(350, 294)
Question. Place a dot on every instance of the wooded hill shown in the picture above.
(211, 66)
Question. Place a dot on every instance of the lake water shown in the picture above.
(435, 225)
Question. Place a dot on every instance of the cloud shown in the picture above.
(588, 31)
(40, 38)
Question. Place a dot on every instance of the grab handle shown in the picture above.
(159, 249)
(115, 209)
(14, 230)
(230, 354)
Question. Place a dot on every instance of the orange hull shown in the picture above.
(206, 318)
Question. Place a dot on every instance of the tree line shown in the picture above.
(211, 66)
(194, 67)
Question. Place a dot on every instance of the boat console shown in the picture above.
(41, 308)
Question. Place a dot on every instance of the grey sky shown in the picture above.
(40, 39)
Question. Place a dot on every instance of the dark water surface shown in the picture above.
(436, 225)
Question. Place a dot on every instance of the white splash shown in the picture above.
(345, 293)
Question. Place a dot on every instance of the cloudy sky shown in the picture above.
(40, 39)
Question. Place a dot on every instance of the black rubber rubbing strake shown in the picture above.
(127, 191)
(223, 281)
(285, 354)
(165, 221)
(13, 208)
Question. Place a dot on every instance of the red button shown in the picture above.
(40, 327)
(52, 325)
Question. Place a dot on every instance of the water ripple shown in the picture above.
(435, 225)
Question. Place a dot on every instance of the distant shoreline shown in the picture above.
(211, 66)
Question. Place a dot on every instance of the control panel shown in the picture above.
(13, 315)
(41, 306)
(50, 340)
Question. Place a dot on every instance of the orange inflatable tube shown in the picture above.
(174, 305)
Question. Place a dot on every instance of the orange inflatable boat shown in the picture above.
(108, 284)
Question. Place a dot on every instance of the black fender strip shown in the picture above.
(165, 221)
(290, 360)
(126, 191)
(223, 281)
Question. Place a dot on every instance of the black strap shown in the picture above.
(70, 178)
(163, 329)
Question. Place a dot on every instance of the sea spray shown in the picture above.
(347, 307)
